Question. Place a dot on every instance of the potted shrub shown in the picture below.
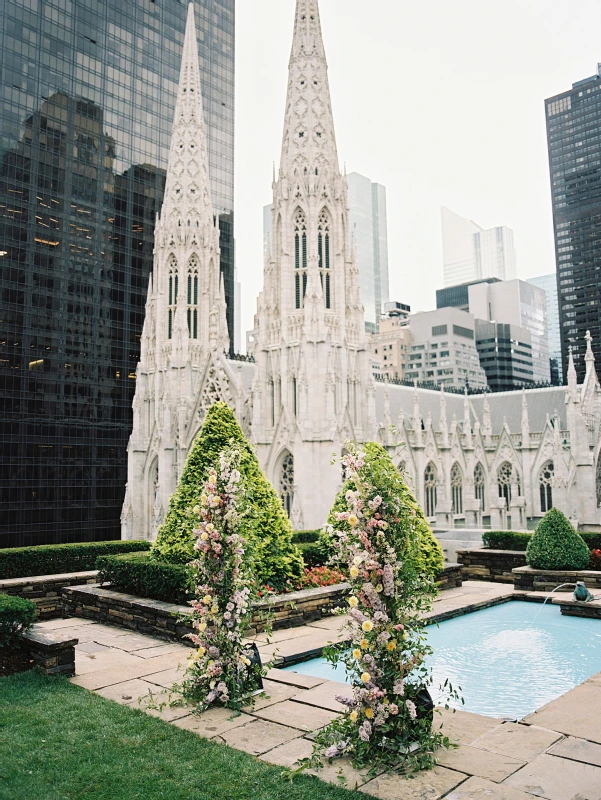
(555, 545)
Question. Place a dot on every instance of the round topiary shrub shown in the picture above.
(556, 545)
(381, 469)
(265, 524)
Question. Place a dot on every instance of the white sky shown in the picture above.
(442, 102)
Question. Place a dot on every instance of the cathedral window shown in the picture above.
(504, 481)
(457, 488)
(479, 485)
(430, 476)
(323, 251)
(300, 258)
(287, 482)
(545, 485)
(193, 297)
(294, 396)
(173, 290)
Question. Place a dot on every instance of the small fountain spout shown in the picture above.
(561, 585)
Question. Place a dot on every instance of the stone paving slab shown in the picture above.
(558, 779)
(297, 715)
(429, 785)
(578, 750)
(523, 742)
(165, 649)
(59, 624)
(281, 635)
(288, 754)
(110, 659)
(463, 727)
(481, 789)
(110, 676)
(294, 678)
(334, 623)
(214, 722)
(577, 713)
(126, 693)
(166, 678)
(482, 763)
(91, 647)
(314, 641)
(324, 695)
(273, 693)
(259, 736)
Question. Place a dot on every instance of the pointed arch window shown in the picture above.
(287, 482)
(504, 474)
(323, 251)
(480, 485)
(192, 287)
(545, 486)
(457, 488)
(430, 476)
(172, 291)
(300, 258)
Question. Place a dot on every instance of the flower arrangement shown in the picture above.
(221, 670)
(388, 717)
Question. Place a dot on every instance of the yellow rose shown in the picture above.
(353, 602)
(369, 713)
(203, 499)
(391, 645)
(215, 610)
(385, 701)
(353, 572)
(379, 588)
(202, 626)
(354, 716)
(204, 536)
(201, 651)
(367, 626)
(364, 644)
(352, 520)
(366, 677)
(357, 654)
(212, 479)
(207, 599)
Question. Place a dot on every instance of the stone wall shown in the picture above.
(540, 580)
(495, 566)
(45, 590)
(52, 652)
(572, 608)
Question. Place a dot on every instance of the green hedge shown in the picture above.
(556, 545)
(55, 559)
(304, 537)
(17, 615)
(143, 576)
(510, 540)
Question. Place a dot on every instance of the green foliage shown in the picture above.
(54, 559)
(304, 537)
(556, 545)
(266, 525)
(592, 540)
(96, 749)
(17, 615)
(506, 540)
(387, 478)
(143, 576)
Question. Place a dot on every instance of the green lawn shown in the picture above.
(60, 742)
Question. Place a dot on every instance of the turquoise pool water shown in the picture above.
(508, 660)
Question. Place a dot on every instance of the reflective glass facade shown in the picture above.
(88, 93)
(574, 141)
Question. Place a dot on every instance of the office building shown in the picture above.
(88, 94)
(574, 142)
(521, 304)
(457, 296)
(549, 285)
(390, 347)
(471, 253)
(443, 350)
(505, 353)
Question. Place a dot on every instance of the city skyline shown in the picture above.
(473, 166)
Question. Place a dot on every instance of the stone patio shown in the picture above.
(554, 753)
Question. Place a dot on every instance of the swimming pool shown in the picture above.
(508, 660)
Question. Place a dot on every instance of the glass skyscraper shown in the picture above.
(88, 94)
(549, 284)
(574, 141)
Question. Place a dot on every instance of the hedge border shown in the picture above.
(144, 576)
(58, 559)
(512, 540)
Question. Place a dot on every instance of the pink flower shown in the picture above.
(411, 709)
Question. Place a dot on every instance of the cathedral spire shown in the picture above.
(187, 200)
(309, 143)
(572, 377)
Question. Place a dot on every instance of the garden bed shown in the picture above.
(14, 661)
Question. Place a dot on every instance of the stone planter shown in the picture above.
(572, 608)
(45, 590)
(496, 566)
(540, 580)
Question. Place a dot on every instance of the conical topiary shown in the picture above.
(265, 524)
(556, 545)
(382, 471)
